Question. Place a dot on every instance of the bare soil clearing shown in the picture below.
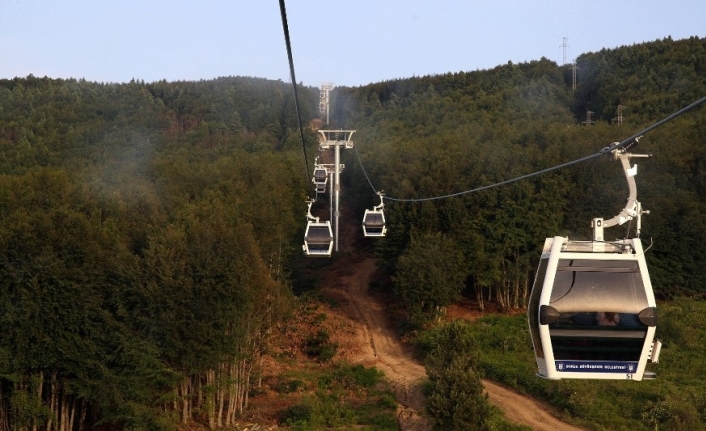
(380, 346)
(348, 281)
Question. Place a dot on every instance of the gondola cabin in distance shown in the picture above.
(374, 220)
(318, 236)
(592, 312)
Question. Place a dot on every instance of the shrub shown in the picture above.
(319, 346)
(296, 414)
(455, 394)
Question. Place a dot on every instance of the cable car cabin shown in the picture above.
(592, 312)
(374, 223)
(374, 220)
(318, 239)
(320, 176)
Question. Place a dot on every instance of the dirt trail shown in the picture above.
(382, 348)
(523, 410)
(349, 279)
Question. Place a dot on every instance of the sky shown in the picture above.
(346, 43)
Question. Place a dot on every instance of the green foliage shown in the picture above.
(437, 135)
(300, 413)
(148, 232)
(355, 376)
(135, 243)
(429, 275)
(288, 386)
(455, 400)
(319, 346)
(348, 396)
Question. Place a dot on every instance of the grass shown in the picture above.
(344, 397)
(315, 388)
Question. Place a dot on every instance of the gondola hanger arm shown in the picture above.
(308, 212)
(633, 208)
(382, 201)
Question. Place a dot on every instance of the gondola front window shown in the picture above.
(599, 302)
(374, 220)
(318, 239)
(598, 285)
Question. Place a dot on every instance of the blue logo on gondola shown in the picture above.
(596, 366)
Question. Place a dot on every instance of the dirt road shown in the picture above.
(382, 349)
(380, 345)
(349, 279)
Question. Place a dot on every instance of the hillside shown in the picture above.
(431, 136)
(150, 233)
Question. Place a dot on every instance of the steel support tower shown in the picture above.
(324, 101)
(565, 46)
(335, 139)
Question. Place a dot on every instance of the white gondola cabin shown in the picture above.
(318, 237)
(592, 312)
(320, 179)
(374, 221)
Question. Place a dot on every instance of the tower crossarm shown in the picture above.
(334, 138)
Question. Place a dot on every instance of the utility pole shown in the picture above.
(324, 101)
(336, 139)
(573, 76)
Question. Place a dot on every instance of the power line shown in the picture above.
(626, 143)
(285, 27)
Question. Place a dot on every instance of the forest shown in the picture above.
(432, 136)
(150, 233)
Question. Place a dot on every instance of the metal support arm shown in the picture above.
(382, 202)
(310, 217)
(633, 208)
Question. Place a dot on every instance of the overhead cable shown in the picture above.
(285, 27)
(656, 125)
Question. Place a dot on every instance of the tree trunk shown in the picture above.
(64, 409)
(199, 392)
(39, 382)
(232, 387)
(82, 421)
(261, 367)
(185, 414)
(479, 297)
(72, 415)
(53, 403)
(4, 408)
(210, 402)
(221, 395)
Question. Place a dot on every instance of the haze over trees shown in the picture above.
(147, 237)
(150, 232)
